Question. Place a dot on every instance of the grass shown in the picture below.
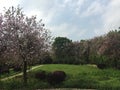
(14, 74)
(87, 76)
(11, 73)
(78, 76)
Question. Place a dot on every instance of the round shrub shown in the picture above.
(101, 66)
(40, 75)
(59, 76)
(56, 77)
(49, 78)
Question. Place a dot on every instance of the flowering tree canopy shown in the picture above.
(22, 38)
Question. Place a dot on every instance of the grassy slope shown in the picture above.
(88, 76)
(78, 76)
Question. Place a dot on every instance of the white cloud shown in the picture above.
(74, 5)
(95, 8)
(47, 10)
(8, 3)
(60, 30)
(44, 9)
(70, 17)
(52, 10)
(47, 18)
(111, 16)
(68, 30)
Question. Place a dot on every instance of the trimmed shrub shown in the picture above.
(50, 78)
(56, 77)
(40, 75)
(59, 76)
(101, 66)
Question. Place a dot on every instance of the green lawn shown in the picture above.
(78, 76)
(87, 76)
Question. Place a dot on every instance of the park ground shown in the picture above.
(78, 76)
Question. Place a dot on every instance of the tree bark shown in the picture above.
(25, 72)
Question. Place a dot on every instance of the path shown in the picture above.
(10, 77)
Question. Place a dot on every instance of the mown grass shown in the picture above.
(78, 76)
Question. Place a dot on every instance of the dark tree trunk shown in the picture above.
(88, 52)
(25, 72)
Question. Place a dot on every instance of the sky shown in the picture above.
(75, 19)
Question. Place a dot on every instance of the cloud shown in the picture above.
(68, 30)
(58, 15)
(44, 9)
(76, 19)
(75, 6)
(50, 10)
(111, 16)
(8, 3)
(95, 8)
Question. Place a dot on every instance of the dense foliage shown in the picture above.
(103, 50)
(61, 47)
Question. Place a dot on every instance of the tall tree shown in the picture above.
(111, 47)
(61, 48)
(24, 38)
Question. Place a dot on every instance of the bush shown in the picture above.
(101, 66)
(17, 68)
(59, 76)
(4, 69)
(56, 77)
(49, 78)
(40, 75)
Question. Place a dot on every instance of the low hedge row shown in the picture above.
(55, 77)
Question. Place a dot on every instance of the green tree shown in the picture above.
(61, 48)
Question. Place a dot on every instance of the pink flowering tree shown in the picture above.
(22, 38)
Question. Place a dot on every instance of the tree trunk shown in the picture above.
(88, 53)
(25, 72)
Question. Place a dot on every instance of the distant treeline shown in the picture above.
(99, 50)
